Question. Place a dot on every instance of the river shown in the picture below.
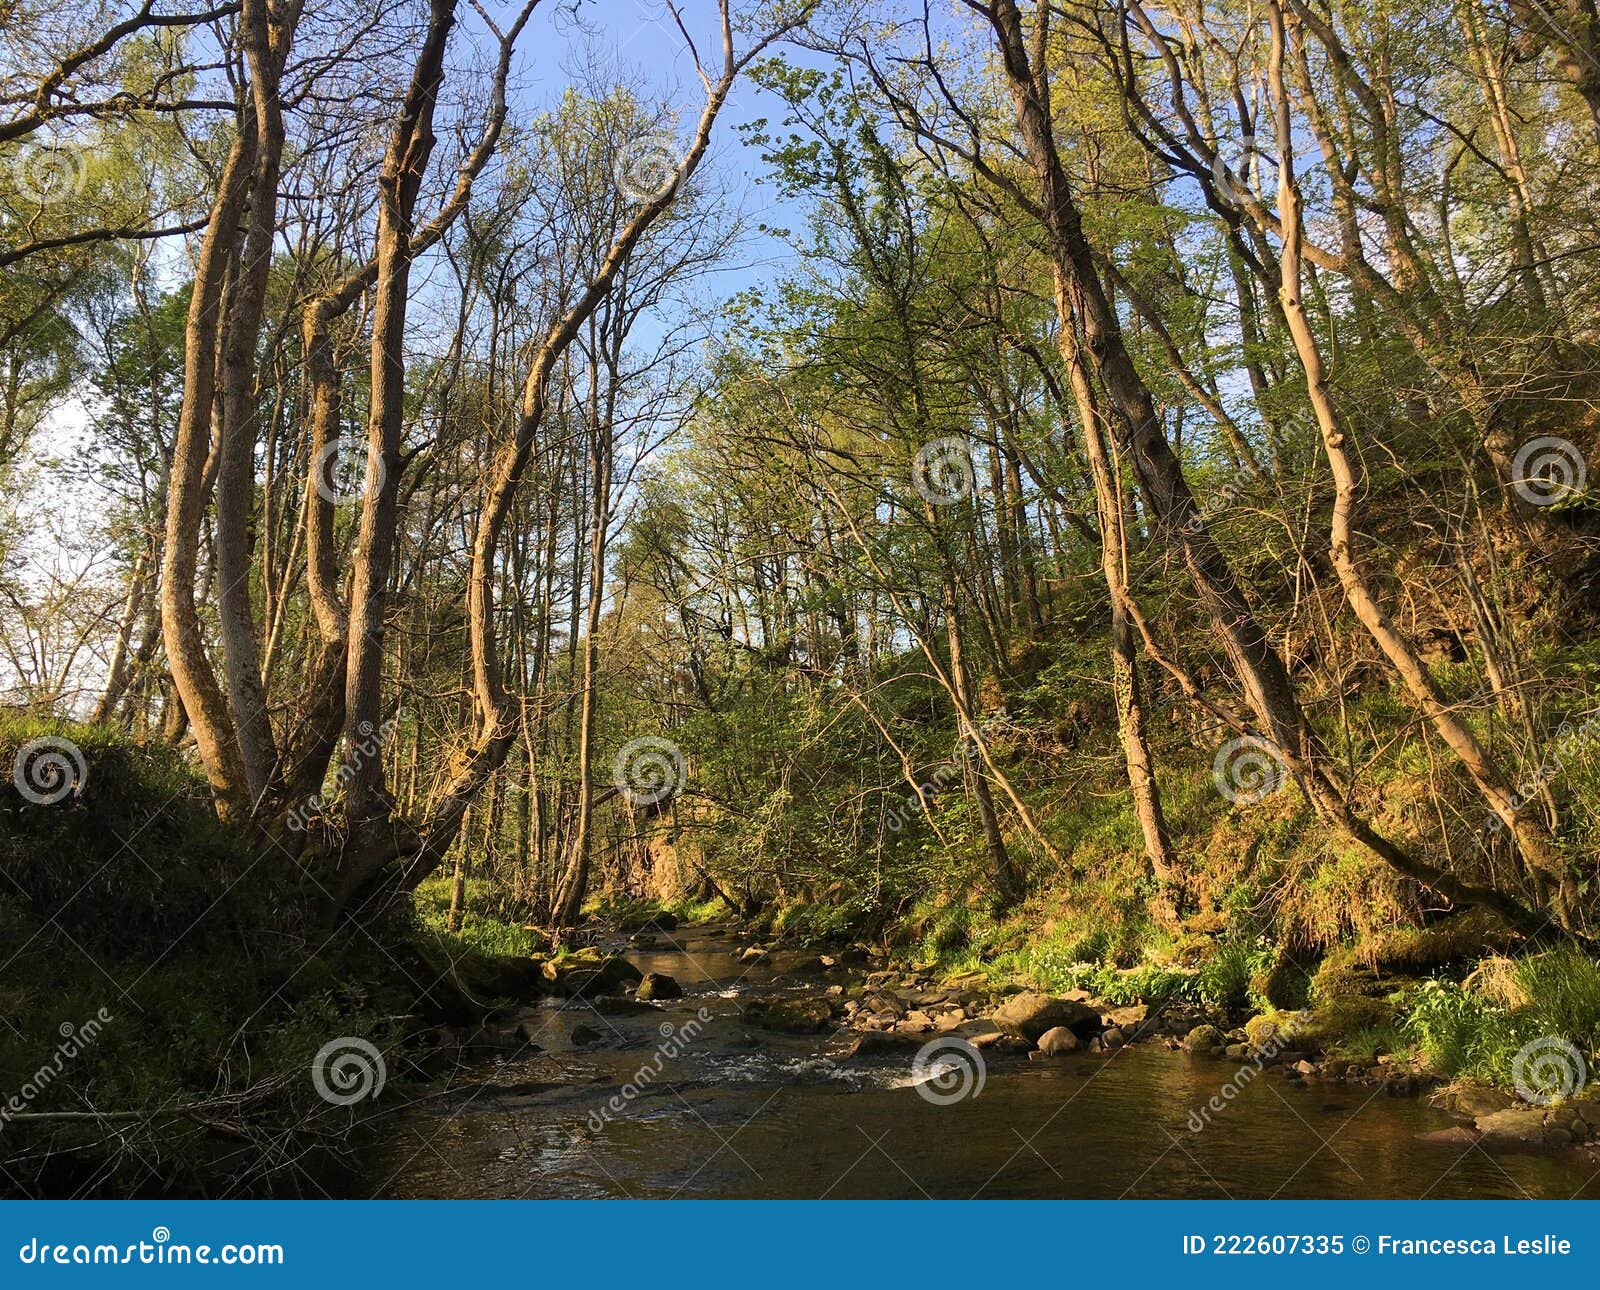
(686, 1099)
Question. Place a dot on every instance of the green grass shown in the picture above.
(479, 933)
(1476, 1031)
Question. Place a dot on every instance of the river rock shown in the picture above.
(1472, 1100)
(617, 1005)
(1031, 1014)
(658, 985)
(1058, 1041)
(1129, 1018)
(588, 973)
(753, 954)
(980, 1032)
(1457, 1135)
(1202, 1039)
(1514, 1129)
(882, 1043)
(506, 976)
(797, 1016)
(885, 1001)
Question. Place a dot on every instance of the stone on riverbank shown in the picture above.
(882, 1043)
(588, 973)
(1031, 1014)
(1515, 1129)
(1203, 1039)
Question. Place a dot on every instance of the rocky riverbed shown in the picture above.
(707, 1042)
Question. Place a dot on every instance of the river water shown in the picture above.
(719, 1109)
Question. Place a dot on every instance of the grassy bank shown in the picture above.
(166, 989)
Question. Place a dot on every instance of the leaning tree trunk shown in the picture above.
(1080, 295)
(1124, 658)
(193, 680)
(1538, 848)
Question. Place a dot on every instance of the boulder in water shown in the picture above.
(588, 974)
(1058, 1041)
(1203, 1039)
(882, 1043)
(805, 1015)
(658, 985)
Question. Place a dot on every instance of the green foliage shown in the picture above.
(1225, 978)
(1476, 1029)
(480, 932)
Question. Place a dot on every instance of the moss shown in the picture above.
(1281, 982)
(1336, 1022)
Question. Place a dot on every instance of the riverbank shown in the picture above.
(178, 1017)
(768, 1068)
